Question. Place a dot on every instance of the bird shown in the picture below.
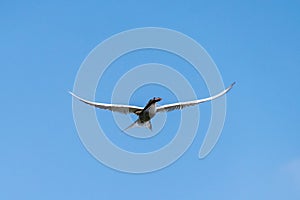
(145, 114)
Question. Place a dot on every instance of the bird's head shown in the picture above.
(156, 99)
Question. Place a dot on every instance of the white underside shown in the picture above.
(152, 110)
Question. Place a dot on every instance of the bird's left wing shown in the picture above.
(181, 105)
(125, 109)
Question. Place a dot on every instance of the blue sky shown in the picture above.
(254, 43)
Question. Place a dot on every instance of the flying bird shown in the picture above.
(145, 114)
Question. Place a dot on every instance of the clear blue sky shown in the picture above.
(255, 43)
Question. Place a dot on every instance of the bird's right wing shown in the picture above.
(125, 109)
(181, 105)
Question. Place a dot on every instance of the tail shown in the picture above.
(148, 125)
(134, 124)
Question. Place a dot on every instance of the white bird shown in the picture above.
(148, 112)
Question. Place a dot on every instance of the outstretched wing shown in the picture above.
(125, 109)
(181, 105)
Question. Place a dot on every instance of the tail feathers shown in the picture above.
(134, 124)
(148, 125)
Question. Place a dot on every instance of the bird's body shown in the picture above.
(146, 114)
(149, 111)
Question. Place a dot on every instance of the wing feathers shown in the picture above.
(137, 110)
(113, 107)
(181, 105)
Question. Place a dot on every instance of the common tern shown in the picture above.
(148, 112)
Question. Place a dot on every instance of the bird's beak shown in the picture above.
(158, 99)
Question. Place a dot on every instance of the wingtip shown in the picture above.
(229, 88)
(71, 93)
(232, 84)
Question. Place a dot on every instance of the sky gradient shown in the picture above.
(254, 43)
